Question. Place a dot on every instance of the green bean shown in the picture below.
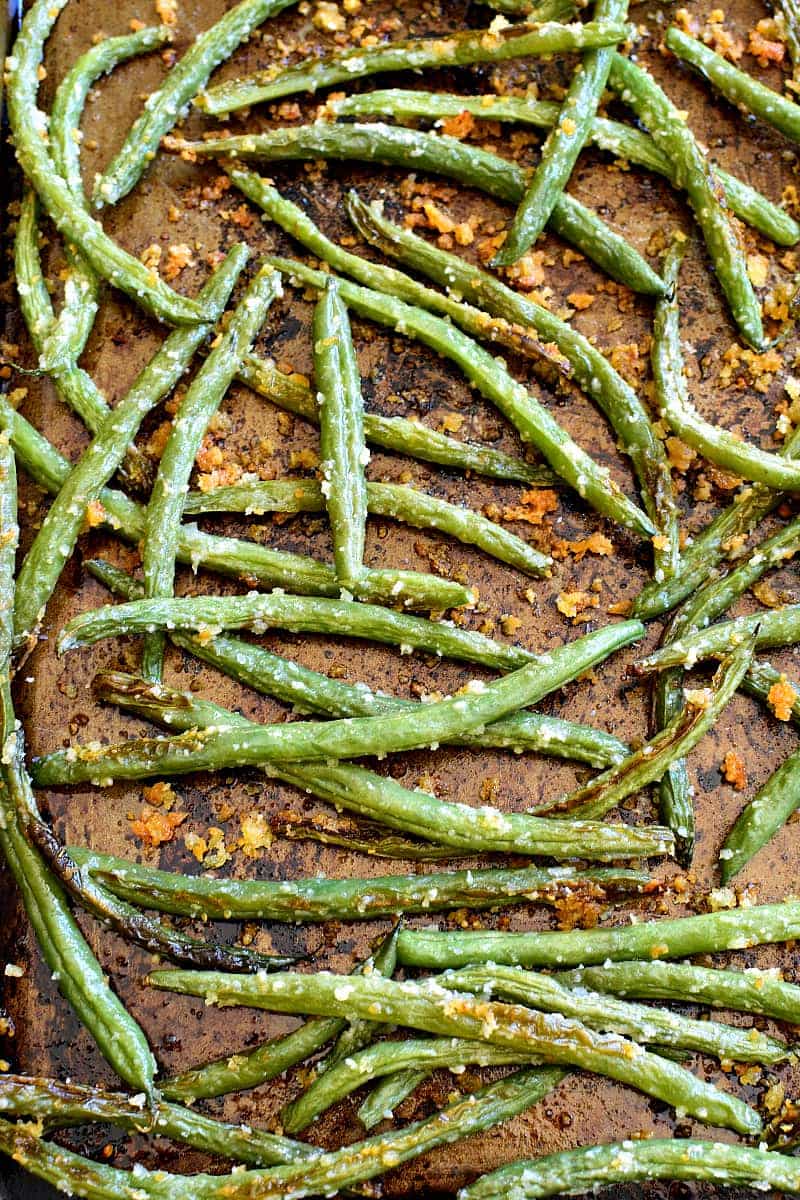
(398, 501)
(239, 559)
(563, 144)
(417, 812)
(68, 336)
(762, 817)
(789, 17)
(60, 1105)
(167, 105)
(590, 368)
(79, 882)
(623, 141)
(549, 10)
(428, 1006)
(387, 1095)
(446, 156)
(741, 89)
(59, 531)
(679, 937)
(674, 741)
(669, 130)
(28, 123)
(80, 977)
(238, 1072)
(743, 991)
(313, 692)
(490, 376)
(343, 450)
(459, 49)
(642, 1023)
(322, 1174)
(386, 1058)
(618, 1164)
(476, 705)
(306, 900)
(777, 627)
(397, 433)
(367, 838)
(197, 407)
(298, 224)
(714, 443)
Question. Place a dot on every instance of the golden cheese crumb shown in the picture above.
(581, 300)
(733, 769)
(781, 697)
(178, 256)
(328, 18)
(256, 834)
(533, 505)
(758, 269)
(95, 514)
(167, 11)
(459, 126)
(679, 454)
(574, 604)
(156, 828)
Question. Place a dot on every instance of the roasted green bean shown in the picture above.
(776, 627)
(459, 49)
(428, 1006)
(388, 1094)
(738, 87)
(28, 122)
(680, 937)
(762, 817)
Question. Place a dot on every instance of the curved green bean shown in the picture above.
(458, 49)
(312, 1176)
(166, 106)
(59, 531)
(623, 141)
(741, 89)
(398, 501)
(400, 434)
(387, 1058)
(620, 1163)
(80, 977)
(313, 692)
(388, 1094)
(65, 342)
(563, 143)
(343, 450)
(679, 937)
(642, 1023)
(202, 399)
(742, 991)
(216, 748)
(28, 122)
(762, 817)
(591, 370)
(428, 1006)
(490, 376)
(669, 130)
(441, 155)
(304, 900)
(776, 627)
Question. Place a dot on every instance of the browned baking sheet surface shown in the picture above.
(54, 697)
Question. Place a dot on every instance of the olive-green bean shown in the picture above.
(762, 817)
(457, 49)
(738, 87)
(428, 1006)
(669, 131)
(388, 1094)
(775, 627)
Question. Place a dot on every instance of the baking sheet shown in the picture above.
(399, 378)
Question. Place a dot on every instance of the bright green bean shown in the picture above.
(313, 692)
(518, 405)
(642, 1023)
(679, 937)
(197, 407)
(762, 817)
(670, 132)
(398, 501)
(776, 627)
(741, 89)
(322, 1174)
(440, 155)
(80, 977)
(214, 749)
(428, 1006)
(397, 433)
(591, 370)
(623, 141)
(386, 1058)
(28, 123)
(459, 49)
(167, 105)
(563, 144)
(742, 991)
(59, 531)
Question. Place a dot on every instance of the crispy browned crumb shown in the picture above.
(733, 769)
(533, 506)
(781, 697)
